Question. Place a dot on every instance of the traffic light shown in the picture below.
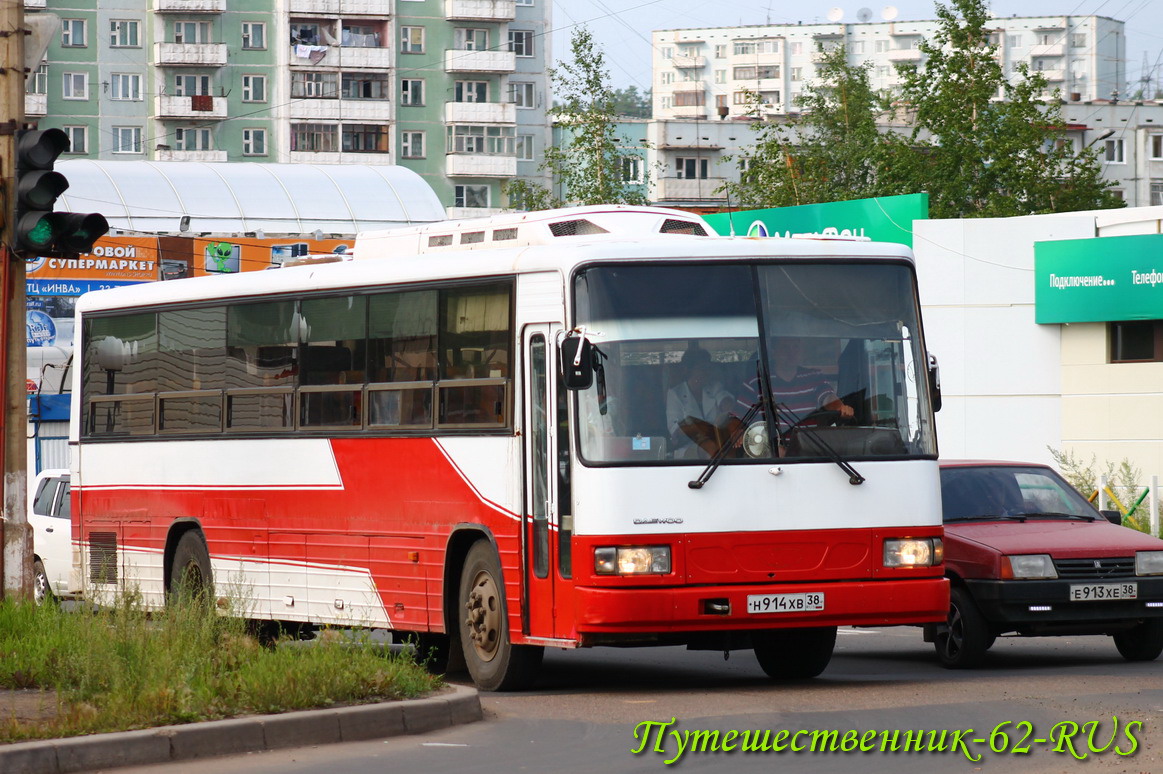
(39, 231)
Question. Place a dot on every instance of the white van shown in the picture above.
(52, 530)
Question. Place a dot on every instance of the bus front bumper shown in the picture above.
(725, 608)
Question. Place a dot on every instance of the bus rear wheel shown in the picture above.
(794, 654)
(190, 579)
(494, 662)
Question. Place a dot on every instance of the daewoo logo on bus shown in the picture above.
(667, 520)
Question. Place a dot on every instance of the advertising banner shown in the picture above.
(883, 219)
(1105, 279)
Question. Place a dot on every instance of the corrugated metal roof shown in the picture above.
(238, 197)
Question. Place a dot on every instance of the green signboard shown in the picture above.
(1099, 280)
(883, 219)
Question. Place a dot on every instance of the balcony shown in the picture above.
(1053, 76)
(335, 157)
(458, 61)
(35, 4)
(376, 110)
(166, 154)
(189, 6)
(341, 56)
(35, 104)
(1048, 49)
(480, 10)
(202, 107)
(675, 189)
(689, 62)
(479, 165)
(190, 54)
(336, 7)
(688, 86)
(480, 113)
(905, 55)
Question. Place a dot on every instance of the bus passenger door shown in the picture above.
(539, 530)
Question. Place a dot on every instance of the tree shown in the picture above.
(588, 164)
(980, 156)
(633, 103)
(832, 151)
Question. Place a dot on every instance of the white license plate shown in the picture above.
(785, 603)
(1096, 592)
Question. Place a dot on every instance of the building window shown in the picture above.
(471, 91)
(1078, 40)
(631, 169)
(254, 35)
(412, 145)
(667, 77)
(667, 52)
(856, 47)
(366, 138)
(192, 32)
(521, 94)
(191, 85)
(78, 138)
(1014, 41)
(125, 86)
(254, 88)
(124, 33)
(720, 76)
(484, 139)
(471, 196)
(667, 103)
(521, 42)
(192, 139)
(689, 99)
(880, 46)
(366, 85)
(470, 39)
(315, 138)
(127, 139)
(524, 2)
(75, 86)
(254, 142)
(743, 97)
(314, 85)
(1154, 146)
(1156, 193)
(411, 40)
(1136, 341)
(360, 35)
(690, 168)
(720, 51)
(73, 33)
(797, 48)
(1114, 152)
(38, 82)
(412, 92)
(797, 73)
(524, 147)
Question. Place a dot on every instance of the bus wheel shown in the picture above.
(795, 654)
(190, 578)
(493, 661)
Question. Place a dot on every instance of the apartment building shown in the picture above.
(455, 90)
(712, 72)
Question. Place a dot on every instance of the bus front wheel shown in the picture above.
(494, 662)
(190, 578)
(794, 654)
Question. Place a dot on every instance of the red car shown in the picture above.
(1025, 553)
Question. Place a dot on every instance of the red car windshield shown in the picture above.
(1009, 492)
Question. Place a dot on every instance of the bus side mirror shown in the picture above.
(577, 363)
(935, 382)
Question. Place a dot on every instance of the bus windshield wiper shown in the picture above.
(725, 448)
(796, 423)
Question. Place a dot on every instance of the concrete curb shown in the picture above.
(168, 744)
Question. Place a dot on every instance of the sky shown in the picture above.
(624, 27)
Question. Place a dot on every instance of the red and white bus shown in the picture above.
(462, 433)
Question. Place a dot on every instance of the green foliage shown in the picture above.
(633, 103)
(975, 155)
(1123, 479)
(587, 166)
(118, 668)
(833, 151)
(978, 156)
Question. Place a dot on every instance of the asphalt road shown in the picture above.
(582, 715)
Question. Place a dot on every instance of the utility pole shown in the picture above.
(15, 533)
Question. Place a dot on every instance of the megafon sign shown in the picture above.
(882, 219)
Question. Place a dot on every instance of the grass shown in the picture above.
(117, 669)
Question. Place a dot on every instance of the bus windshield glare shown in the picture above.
(685, 350)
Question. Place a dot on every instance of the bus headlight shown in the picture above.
(755, 440)
(913, 552)
(1149, 563)
(632, 560)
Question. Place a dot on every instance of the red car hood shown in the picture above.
(1061, 539)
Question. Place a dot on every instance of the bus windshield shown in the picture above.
(770, 360)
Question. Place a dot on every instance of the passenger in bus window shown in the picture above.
(698, 409)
